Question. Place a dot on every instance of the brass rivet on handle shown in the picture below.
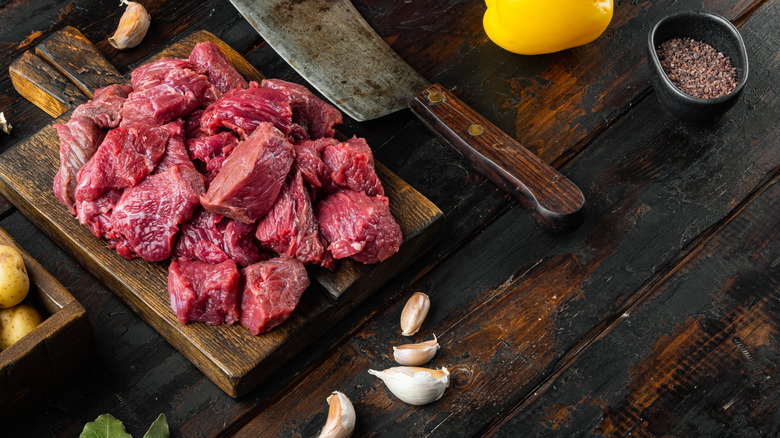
(476, 129)
(436, 97)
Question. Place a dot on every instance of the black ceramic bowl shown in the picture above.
(706, 28)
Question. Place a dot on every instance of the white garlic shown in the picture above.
(341, 417)
(413, 385)
(416, 354)
(132, 27)
(414, 313)
(4, 125)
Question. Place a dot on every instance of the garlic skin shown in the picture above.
(132, 27)
(413, 385)
(341, 417)
(416, 354)
(414, 313)
(4, 125)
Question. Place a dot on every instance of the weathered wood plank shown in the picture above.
(697, 357)
(512, 303)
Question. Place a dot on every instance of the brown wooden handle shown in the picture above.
(555, 202)
(70, 52)
(44, 86)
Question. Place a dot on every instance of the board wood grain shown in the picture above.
(229, 355)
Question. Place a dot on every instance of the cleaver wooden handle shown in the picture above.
(555, 202)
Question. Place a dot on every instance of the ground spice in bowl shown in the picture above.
(696, 68)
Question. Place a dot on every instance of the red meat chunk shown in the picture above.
(351, 166)
(166, 91)
(212, 238)
(308, 160)
(152, 74)
(290, 228)
(105, 107)
(241, 110)
(204, 292)
(208, 59)
(79, 139)
(147, 217)
(272, 289)
(124, 158)
(212, 150)
(200, 239)
(251, 177)
(239, 242)
(315, 116)
(358, 226)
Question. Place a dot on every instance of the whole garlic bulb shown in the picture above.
(341, 417)
(414, 385)
(132, 27)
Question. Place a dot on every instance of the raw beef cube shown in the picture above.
(157, 106)
(212, 150)
(241, 110)
(79, 139)
(251, 177)
(206, 58)
(124, 158)
(96, 214)
(147, 217)
(105, 107)
(351, 166)
(358, 226)
(271, 291)
(152, 74)
(192, 124)
(211, 238)
(315, 116)
(200, 239)
(239, 242)
(308, 160)
(290, 228)
(204, 292)
(167, 95)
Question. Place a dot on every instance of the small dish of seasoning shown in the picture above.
(698, 64)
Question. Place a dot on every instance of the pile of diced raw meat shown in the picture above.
(241, 184)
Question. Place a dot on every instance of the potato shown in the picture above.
(14, 282)
(17, 322)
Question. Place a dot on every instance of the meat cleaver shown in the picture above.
(330, 44)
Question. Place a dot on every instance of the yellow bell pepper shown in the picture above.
(532, 27)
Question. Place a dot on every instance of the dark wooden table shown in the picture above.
(658, 317)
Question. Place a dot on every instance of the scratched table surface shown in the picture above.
(657, 317)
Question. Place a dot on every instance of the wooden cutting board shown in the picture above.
(63, 72)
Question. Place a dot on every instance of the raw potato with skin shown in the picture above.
(14, 282)
(16, 322)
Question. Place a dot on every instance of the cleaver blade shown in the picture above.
(330, 44)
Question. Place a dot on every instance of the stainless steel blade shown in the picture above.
(330, 44)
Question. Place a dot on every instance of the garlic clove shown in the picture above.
(414, 385)
(416, 354)
(132, 27)
(414, 313)
(341, 417)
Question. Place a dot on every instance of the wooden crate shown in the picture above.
(49, 353)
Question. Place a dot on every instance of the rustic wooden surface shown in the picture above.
(656, 318)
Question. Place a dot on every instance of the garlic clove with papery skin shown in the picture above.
(414, 313)
(414, 385)
(341, 417)
(132, 27)
(416, 354)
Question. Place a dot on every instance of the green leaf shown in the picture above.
(105, 426)
(158, 429)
